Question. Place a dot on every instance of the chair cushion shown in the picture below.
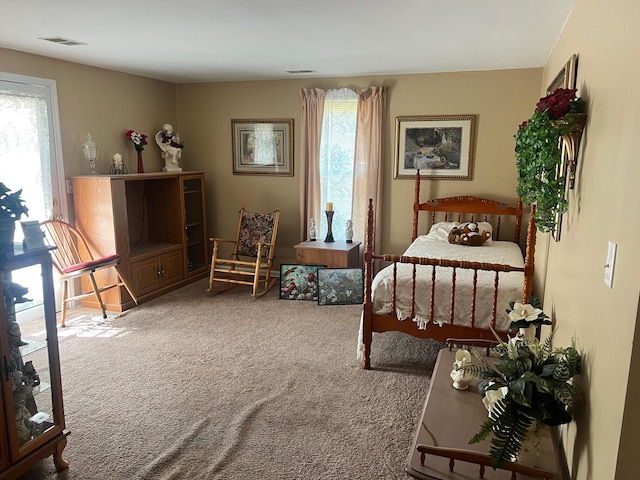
(97, 263)
(254, 228)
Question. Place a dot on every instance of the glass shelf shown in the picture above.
(23, 307)
(31, 346)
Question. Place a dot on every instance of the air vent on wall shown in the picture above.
(299, 71)
(62, 41)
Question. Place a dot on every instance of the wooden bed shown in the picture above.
(437, 297)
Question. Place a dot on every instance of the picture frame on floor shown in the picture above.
(340, 286)
(299, 282)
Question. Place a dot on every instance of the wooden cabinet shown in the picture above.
(150, 274)
(331, 254)
(156, 222)
(32, 424)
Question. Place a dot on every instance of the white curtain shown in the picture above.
(337, 147)
(24, 147)
(329, 116)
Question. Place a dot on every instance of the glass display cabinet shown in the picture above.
(32, 412)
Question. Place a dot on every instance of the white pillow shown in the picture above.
(440, 231)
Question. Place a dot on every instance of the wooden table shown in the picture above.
(450, 418)
(331, 254)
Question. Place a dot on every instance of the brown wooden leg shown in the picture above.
(63, 313)
(366, 336)
(96, 292)
(58, 461)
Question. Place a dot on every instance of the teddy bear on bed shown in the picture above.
(468, 234)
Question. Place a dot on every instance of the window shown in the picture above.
(337, 148)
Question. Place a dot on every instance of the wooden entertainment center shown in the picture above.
(156, 222)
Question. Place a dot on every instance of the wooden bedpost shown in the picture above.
(529, 256)
(416, 206)
(518, 226)
(368, 278)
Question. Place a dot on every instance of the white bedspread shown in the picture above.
(510, 283)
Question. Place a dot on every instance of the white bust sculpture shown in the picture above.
(171, 146)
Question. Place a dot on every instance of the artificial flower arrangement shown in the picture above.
(139, 140)
(527, 315)
(530, 382)
(538, 155)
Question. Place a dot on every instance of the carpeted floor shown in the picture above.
(193, 386)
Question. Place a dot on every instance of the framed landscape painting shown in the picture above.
(262, 147)
(340, 286)
(299, 282)
(441, 147)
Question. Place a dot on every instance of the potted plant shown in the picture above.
(538, 154)
(12, 208)
(529, 384)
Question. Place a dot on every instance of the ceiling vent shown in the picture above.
(293, 72)
(62, 41)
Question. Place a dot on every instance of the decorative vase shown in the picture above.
(349, 231)
(313, 232)
(530, 446)
(7, 232)
(527, 334)
(329, 237)
(140, 164)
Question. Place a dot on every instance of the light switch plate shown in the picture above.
(609, 264)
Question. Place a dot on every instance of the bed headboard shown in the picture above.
(467, 209)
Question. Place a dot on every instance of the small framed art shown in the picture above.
(262, 147)
(299, 282)
(340, 286)
(441, 147)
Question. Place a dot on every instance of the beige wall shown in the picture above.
(603, 319)
(501, 99)
(103, 103)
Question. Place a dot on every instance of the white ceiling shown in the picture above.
(184, 41)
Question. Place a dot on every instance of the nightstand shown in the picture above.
(331, 254)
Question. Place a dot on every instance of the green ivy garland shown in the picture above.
(538, 156)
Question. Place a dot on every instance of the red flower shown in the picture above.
(139, 139)
(556, 104)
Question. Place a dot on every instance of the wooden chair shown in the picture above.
(73, 259)
(252, 257)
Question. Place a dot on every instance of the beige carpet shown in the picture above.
(193, 386)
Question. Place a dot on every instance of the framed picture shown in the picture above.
(33, 235)
(441, 146)
(565, 78)
(340, 286)
(299, 282)
(262, 147)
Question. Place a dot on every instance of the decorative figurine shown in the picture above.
(461, 379)
(171, 146)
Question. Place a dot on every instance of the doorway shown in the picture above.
(31, 160)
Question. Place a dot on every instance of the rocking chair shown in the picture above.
(252, 257)
(73, 259)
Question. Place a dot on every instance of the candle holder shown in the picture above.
(118, 169)
(329, 237)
